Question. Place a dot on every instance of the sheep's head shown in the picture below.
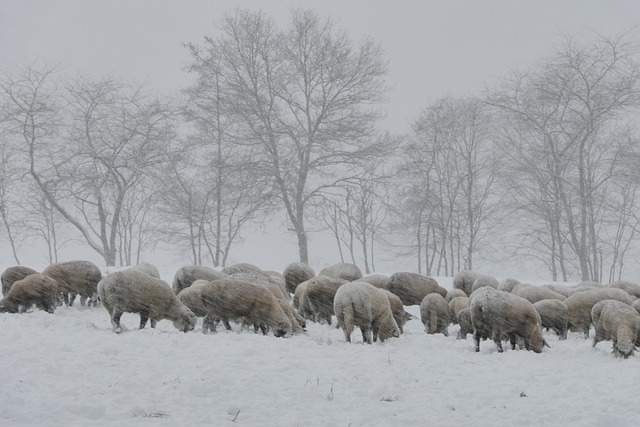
(186, 321)
(624, 348)
(283, 328)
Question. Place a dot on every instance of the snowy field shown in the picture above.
(70, 369)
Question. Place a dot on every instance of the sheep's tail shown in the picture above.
(433, 320)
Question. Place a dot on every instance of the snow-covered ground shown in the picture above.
(70, 369)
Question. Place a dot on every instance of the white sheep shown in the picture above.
(579, 305)
(455, 305)
(553, 315)
(148, 268)
(631, 288)
(362, 304)
(76, 278)
(192, 297)
(378, 280)
(12, 275)
(454, 293)
(466, 326)
(434, 313)
(618, 322)
(343, 270)
(464, 279)
(508, 284)
(536, 293)
(136, 292)
(35, 289)
(296, 273)
(413, 287)
(186, 275)
(320, 293)
(483, 280)
(500, 315)
(397, 309)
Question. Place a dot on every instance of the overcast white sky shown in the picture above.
(435, 48)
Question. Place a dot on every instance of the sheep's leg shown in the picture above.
(116, 314)
(208, 324)
(83, 300)
(498, 344)
(226, 324)
(154, 322)
(367, 335)
(513, 341)
(476, 338)
(348, 330)
(72, 298)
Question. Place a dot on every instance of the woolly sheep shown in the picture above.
(148, 268)
(636, 305)
(192, 297)
(464, 279)
(483, 280)
(242, 267)
(632, 289)
(302, 301)
(455, 305)
(553, 315)
(342, 270)
(233, 298)
(464, 320)
(618, 322)
(453, 293)
(296, 273)
(378, 280)
(500, 315)
(397, 310)
(35, 289)
(76, 278)
(413, 287)
(434, 313)
(185, 276)
(12, 275)
(508, 284)
(136, 292)
(579, 306)
(321, 291)
(535, 293)
(362, 304)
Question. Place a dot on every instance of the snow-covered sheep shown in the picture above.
(434, 313)
(508, 284)
(631, 288)
(553, 315)
(455, 305)
(500, 315)
(378, 280)
(343, 270)
(136, 292)
(192, 297)
(363, 305)
(636, 305)
(454, 293)
(12, 275)
(232, 298)
(464, 320)
(483, 280)
(301, 302)
(413, 287)
(579, 306)
(76, 278)
(35, 289)
(397, 309)
(321, 291)
(148, 268)
(186, 275)
(464, 279)
(618, 322)
(296, 273)
(536, 293)
(242, 267)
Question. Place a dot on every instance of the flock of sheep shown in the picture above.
(283, 302)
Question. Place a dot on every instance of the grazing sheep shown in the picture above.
(321, 291)
(463, 280)
(632, 289)
(148, 268)
(535, 293)
(35, 289)
(278, 279)
(362, 304)
(12, 275)
(464, 320)
(233, 298)
(483, 280)
(434, 313)
(499, 315)
(560, 289)
(185, 276)
(397, 309)
(378, 280)
(579, 306)
(342, 270)
(76, 278)
(455, 305)
(413, 287)
(553, 315)
(243, 267)
(453, 293)
(136, 292)
(636, 305)
(508, 284)
(296, 273)
(618, 322)
(192, 297)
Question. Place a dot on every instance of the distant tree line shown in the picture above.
(544, 165)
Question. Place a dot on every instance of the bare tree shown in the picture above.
(307, 97)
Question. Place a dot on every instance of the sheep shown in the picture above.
(413, 287)
(397, 309)
(453, 293)
(185, 276)
(553, 315)
(463, 280)
(35, 289)
(343, 270)
(535, 293)
(303, 305)
(136, 292)
(243, 267)
(378, 280)
(464, 320)
(233, 298)
(500, 315)
(508, 284)
(632, 289)
(12, 275)
(362, 304)
(76, 278)
(618, 322)
(296, 273)
(455, 305)
(434, 313)
(148, 268)
(560, 289)
(483, 280)
(192, 297)
(579, 306)
(321, 291)
(278, 279)
(636, 305)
